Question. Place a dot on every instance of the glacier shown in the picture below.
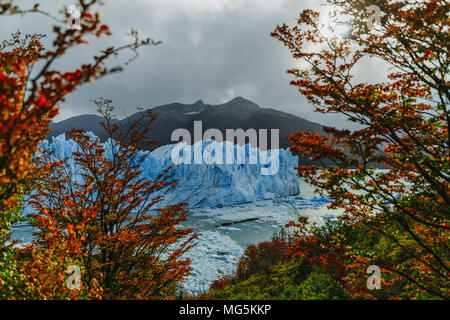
(208, 184)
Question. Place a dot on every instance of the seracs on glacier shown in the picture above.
(207, 184)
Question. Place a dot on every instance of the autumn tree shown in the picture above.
(31, 90)
(403, 127)
(131, 250)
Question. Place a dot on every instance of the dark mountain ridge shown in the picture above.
(238, 113)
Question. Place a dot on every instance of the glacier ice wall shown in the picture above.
(209, 184)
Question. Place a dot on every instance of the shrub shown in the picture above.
(318, 286)
(261, 257)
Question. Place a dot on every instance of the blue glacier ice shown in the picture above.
(209, 183)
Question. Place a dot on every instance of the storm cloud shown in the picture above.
(212, 50)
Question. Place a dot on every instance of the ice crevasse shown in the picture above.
(204, 180)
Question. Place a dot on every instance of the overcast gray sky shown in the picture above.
(212, 50)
